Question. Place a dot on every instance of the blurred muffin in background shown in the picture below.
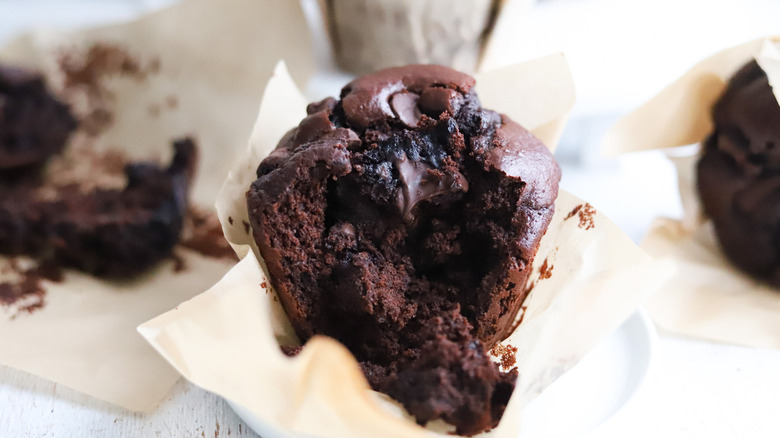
(375, 34)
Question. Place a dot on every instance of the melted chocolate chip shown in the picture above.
(420, 182)
(405, 107)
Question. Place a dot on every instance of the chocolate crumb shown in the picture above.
(291, 350)
(586, 217)
(545, 271)
(84, 74)
(507, 355)
(585, 212)
(573, 212)
(230, 219)
(264, 285)
(204, 235)
(26, 290)
(246, 227)
(179, 265)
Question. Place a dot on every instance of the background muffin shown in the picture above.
(739, 174)
(369, 35)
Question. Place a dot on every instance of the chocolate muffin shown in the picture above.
(33, 124)
(739, 174)
(106, 232)
(402, 220)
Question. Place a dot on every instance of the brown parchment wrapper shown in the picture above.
(227, 339)
(708, 298)
(212, 59)
(371, 35)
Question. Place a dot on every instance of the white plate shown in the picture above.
(580, 400)
(597, 387)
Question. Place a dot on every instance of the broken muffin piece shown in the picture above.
(402, 220)
(33, 124)
(106, 232)
(738, 175)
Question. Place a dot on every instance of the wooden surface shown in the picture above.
(33, 407)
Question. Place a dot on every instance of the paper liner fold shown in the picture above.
(213, 60)
(708, 298)
(227, 339)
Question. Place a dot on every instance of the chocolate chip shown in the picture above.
(405, 107)
(435, 101)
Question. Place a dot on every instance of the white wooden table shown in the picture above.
(693, 389)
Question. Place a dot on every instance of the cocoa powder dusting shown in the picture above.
(203, 234)
(84, 74)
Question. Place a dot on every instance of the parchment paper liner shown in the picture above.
(708, 298)
(215, 69)
(227, 339)
(369, 36)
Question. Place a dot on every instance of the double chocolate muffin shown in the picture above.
(739, 174)
(402, 220)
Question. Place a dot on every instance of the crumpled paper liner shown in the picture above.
(708, 298)
(588, 277)
(214, 57)
(371, 35)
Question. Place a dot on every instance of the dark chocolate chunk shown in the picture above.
(403, 220)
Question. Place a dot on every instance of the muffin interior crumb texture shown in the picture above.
(402, 220)
(739, 174)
